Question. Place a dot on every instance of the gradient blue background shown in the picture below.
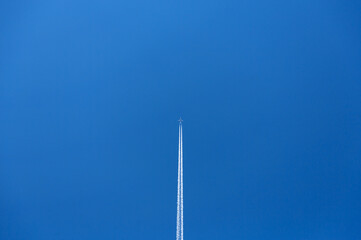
(90, 94)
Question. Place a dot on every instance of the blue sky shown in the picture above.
(90, 94)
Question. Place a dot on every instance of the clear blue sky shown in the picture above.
(270, 94)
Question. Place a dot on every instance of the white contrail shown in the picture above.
(179, 182)
(180, 186)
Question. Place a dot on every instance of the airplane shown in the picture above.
(180, 120)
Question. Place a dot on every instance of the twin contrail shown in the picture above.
(180, 185)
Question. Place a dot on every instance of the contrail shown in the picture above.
(180, 185)
(181, 182)
(178, 193)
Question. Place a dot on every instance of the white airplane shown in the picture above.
(180, 120)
